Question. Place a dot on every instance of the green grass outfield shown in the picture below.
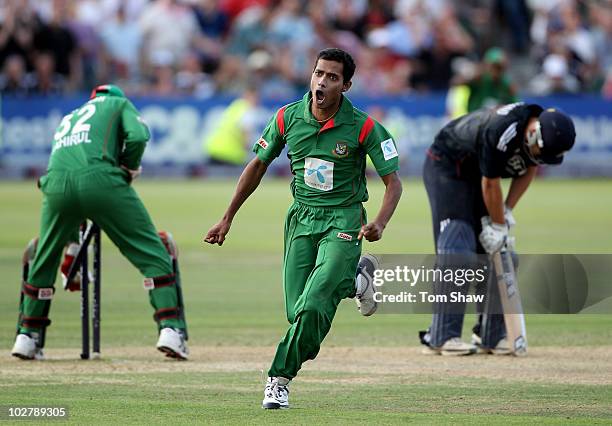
(369, 369)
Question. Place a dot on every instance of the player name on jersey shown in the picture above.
(71, 140)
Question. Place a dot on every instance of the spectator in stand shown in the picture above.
(491, 86)
(264, 73)
(233, 8)
(379, 14)
(555, 78)
(44, 80)
(192, 81)
(163, 83)
(515, 15)
(412, 39)
(347, 15)
(399, 77)
(122, 41)
(17, 29)
(328, 36)
(450, 41)
(133, 9)
(293, 31)
(214, 25)
(12, 79)
(83, 21)
(410, 33)
(56, 38)
(251, 31)
(579, 40)
(169, 27)
(372, 78)
(601, 18)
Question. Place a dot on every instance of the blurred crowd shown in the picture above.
(205, 48)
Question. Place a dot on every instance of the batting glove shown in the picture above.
(493, 235)
(509, 217)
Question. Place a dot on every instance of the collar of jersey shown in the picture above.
(345, 114)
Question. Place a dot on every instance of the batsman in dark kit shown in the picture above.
(462, 176)
(96, 153)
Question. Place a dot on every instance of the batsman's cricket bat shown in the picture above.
(511, 302)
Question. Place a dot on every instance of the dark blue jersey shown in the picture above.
(489, 140)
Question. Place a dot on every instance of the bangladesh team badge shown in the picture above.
(341, 149)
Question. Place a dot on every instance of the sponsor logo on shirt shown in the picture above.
(341, 149)
(262, 143)
(344, 236)
(319, 174)
(388, 149)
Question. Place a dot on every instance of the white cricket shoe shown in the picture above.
(276, 393)
(172, 343)
(26, 347)
(456, 347)
(364, 283)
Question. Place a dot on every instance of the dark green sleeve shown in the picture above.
(382, 150)
(271, 143)
(135, 136)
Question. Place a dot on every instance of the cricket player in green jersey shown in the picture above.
(96, 153)
(327, 141)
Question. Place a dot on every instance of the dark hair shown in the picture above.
(339, 55)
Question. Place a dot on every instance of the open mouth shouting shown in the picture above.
(319, 97)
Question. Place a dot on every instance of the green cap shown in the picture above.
(108, 90)
(495, 55)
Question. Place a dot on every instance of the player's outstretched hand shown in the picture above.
(372, 231)
(216, 234)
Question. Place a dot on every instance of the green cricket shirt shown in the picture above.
(104, 130)
(328, 162)
(486, 92)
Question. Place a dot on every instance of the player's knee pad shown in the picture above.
(35, 315)
(456, 237)
(172, 249)
(161, 290)
(456, 249)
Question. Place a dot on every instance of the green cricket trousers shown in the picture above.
(320, 261)
(100, 193)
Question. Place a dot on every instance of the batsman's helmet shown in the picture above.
(107, 90)
(555, 135)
